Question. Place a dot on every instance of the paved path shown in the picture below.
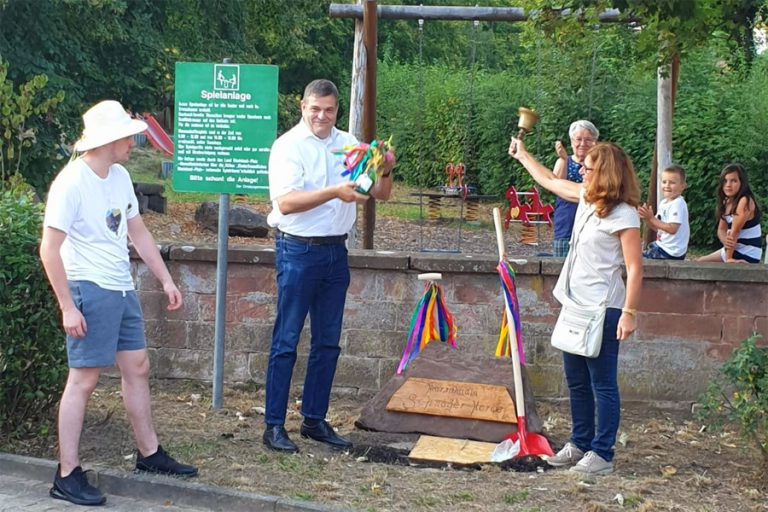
(23, 495)
(25, 482)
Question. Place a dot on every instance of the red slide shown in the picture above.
(157, 136)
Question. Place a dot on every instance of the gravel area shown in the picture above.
(178, 225)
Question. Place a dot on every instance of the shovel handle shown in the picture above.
(516, 369)
(430, 276)
(499, 233)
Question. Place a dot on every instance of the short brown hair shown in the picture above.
(321, 88)
(677, 169)
(613, 179)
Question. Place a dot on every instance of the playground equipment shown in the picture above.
(455, 202)
(160, 140)
(527, 208)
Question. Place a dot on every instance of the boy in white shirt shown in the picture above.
(671, 223)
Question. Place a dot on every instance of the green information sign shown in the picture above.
(225, 124)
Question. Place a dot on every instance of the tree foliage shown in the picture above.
(19, 109)
(448, 91)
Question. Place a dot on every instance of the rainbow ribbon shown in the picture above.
(431, 321)
(508, 288)
(361, 158)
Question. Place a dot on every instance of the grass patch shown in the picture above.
(515, 497)
(398, 210)
(304, 496)
(463, 497)
(426, 501)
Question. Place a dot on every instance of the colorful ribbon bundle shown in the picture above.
(363, 162)
(503, 348)
(431, 321)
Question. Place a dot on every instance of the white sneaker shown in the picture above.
(593, 464)
(568, 456)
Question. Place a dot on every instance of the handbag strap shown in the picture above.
(572, 252)
(572, 256)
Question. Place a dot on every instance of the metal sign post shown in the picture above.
(225, 123)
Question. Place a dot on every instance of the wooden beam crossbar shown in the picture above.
(452, 13)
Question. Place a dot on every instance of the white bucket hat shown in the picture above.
(107, 122)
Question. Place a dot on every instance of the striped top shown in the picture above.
(750, 242)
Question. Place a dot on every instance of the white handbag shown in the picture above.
(579, 328)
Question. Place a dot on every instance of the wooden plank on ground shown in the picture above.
(454, 399)
(455, 451)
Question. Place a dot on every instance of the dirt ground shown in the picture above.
(665, 460)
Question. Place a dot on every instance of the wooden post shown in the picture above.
(356, 97)
(663, 125)
(369, 108)
(665, 106)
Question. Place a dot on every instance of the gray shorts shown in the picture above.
(114, 324)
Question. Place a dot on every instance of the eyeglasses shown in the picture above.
(579, 140)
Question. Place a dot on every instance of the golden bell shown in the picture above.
(528, 119)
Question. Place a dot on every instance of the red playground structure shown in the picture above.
(527, 208)
(156, 136)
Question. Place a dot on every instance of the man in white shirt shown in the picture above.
(313, 209)
(90, 214)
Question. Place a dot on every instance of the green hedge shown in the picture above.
(32, 352)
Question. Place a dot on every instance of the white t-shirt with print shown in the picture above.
(596, 256)
(674, 212)
(300, 161)
(94, 214)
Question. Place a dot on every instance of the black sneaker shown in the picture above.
(163, 464)
(75, 488)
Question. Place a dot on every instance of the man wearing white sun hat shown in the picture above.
(90, 214)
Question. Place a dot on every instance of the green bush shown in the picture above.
(740, 395)
(32, 353)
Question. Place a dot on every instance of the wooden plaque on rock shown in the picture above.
(456, 451)
(454, 399)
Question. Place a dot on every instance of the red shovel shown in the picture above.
(530, 443)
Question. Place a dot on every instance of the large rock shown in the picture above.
(150, 197)
(243, 221)
(441, 362)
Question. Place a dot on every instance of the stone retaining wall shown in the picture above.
(690, 318)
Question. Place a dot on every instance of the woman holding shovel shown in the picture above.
(606, 234)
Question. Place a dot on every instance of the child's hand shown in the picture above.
(645, 211)
(560, 150)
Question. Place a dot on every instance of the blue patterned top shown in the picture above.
(565, 211)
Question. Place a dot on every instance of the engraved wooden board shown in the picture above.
(456, 451)
(454, 399)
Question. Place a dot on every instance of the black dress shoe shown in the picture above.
(324, 433)
(276, 438)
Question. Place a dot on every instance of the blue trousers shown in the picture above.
(311, 279)
(593, 381)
